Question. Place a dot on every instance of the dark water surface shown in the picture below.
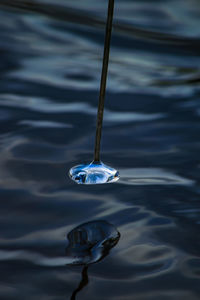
(50, 70)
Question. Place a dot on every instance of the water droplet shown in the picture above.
(93, 173)
(91, 242)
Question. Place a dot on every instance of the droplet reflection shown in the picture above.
(91, 242)
(88, 243)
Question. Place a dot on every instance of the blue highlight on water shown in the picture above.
(93, 173)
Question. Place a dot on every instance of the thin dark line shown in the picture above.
(103, 81)
(84, 281)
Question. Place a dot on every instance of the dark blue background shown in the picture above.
(50, 70)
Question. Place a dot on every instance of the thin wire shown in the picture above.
(103, 81)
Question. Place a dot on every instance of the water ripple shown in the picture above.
(50, 67)
(152, 176)
(47, 106)
(44, 124)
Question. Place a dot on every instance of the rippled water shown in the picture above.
(50, 70)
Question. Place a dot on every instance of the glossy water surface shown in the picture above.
(50, 70)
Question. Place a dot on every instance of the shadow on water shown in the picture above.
(84, 281)
(89, 243)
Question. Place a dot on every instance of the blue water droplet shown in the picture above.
(91, 242)
(93, 173)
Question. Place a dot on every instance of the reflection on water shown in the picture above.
(89, 243)
(50, 69)
(84, 281)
